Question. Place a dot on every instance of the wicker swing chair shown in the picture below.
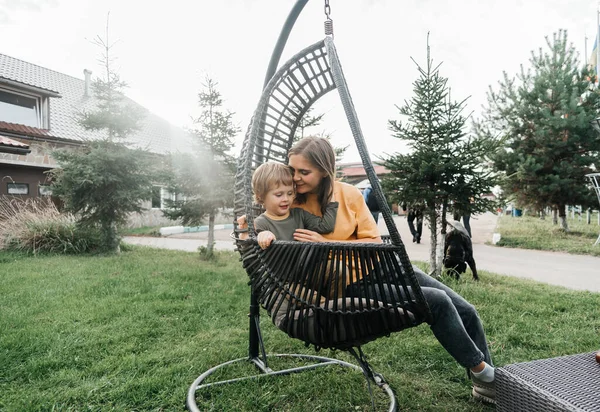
(301, 284)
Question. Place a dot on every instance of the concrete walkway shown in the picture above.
(572, 271)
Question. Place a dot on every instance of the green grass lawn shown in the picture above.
(132, 332)
(530, 232)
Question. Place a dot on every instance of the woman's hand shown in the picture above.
(265, 238)
(305, 235)
(242, 224)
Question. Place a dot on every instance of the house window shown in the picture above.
(18, 188)
(44, 190)
(160, 194)
(156, 197)
(22, 108)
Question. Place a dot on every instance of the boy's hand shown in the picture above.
(265, 238)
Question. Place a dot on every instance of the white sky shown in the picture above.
(166, 48)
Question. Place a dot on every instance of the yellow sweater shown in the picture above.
(354, 220)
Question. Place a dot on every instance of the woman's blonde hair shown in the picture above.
(269, 176)
(319, 152)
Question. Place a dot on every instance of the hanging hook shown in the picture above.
(328, 21)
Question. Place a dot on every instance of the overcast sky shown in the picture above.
(166, 48)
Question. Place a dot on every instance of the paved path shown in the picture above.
(573, 271)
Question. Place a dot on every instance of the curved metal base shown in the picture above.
(190, 401)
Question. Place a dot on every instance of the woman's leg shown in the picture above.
(456, 323)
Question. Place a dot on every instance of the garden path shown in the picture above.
(578, 272)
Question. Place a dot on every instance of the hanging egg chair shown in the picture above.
(296, 282)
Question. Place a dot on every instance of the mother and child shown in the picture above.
(304, 202)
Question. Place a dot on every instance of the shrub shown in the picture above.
(36, 226)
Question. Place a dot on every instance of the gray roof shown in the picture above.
(156, 134)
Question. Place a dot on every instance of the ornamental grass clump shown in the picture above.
(36, 226)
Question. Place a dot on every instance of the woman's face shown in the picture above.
(307, 176)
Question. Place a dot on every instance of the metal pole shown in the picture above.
(254, 339)
(283, 36)
(597, 46)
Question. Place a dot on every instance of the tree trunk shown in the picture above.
(588, 217)
(442, 241)
(563, 218)
(554, 216)
(111, 238)
(433, 240)
(211, 234)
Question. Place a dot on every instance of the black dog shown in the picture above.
(458, 251)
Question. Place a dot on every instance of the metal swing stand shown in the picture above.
(264, 370)
(259, 357)
(595, 179)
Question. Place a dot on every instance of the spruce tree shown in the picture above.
(445, 164)
(105, 180)
(203, 181)
(308, 122)
(544, 115)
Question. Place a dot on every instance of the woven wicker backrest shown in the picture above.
(303, 285)
(286, 98)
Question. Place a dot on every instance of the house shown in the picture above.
(39, 110)
(354, 173)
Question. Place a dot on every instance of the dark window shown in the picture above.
(156, 198)
(18, 188)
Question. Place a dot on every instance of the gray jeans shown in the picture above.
(456, 323)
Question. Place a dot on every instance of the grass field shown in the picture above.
(529, 232)
(132, 332)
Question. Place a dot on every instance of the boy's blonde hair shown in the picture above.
(268, 176)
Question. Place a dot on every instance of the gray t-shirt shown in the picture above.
(298, 219)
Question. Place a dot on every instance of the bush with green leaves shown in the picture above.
(36, 226)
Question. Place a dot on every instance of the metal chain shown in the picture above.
(328, 21)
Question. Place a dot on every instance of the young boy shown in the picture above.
(273, 187)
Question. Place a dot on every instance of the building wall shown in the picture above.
(41, 154)
(149, 217)
(30, 169)
(34, 177)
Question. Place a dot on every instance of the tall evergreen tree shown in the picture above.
(203, 181)
(445, 164)
(308, 122)
(544, 115)
(105, 181)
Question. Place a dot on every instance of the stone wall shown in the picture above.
(150, 217)
(40, 154)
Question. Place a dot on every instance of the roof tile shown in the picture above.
(155, 134)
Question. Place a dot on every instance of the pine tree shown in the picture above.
(203, 181)
(544, 115)
(309, 121)
(105, 181)
(445, 164)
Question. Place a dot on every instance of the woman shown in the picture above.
(456, 324)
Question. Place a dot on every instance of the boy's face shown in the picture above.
(278, 200)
